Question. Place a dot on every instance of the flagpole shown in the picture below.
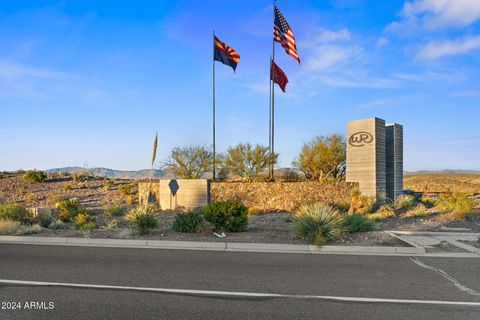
(270, 115)
(213, 106)
(272, 107)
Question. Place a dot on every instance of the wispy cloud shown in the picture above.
(438, 49)
(376, 104)
(10, 70)
(435, 14)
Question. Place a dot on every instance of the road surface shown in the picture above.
(66, 282)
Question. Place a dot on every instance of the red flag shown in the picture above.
(283, 34)
(278, 76)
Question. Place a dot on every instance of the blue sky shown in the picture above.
(92, 81)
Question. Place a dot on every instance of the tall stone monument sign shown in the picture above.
(375, 157)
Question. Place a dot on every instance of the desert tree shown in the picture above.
(323, 158)
(247, 161)
(189, 162)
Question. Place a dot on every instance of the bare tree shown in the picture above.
(323, 158)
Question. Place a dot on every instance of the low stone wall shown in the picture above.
(284, 196)
(172, 194)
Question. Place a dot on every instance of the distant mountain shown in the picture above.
(446, 171)
(112, 173)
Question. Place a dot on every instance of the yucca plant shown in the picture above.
(142, 218)
(319, 223)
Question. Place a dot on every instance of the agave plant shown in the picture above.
(319, 223)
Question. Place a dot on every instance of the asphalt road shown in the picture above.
(292, 275)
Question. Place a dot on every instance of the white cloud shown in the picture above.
(326, 57)
(438, 49)
(323, 36)
(9, 70)
(382, 42)
(434, 14)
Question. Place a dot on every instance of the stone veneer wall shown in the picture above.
(285, 196)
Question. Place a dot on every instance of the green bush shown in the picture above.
(80, 219)
(14, 212)
(114, 209)
(9, 227)
(418, 211)
(229, 215)
(125, 189)
(45, 220)
(358, 223)
(319, 223)
(429, 201)
(69, 209)
(35, 176)
(190, 222)
(457, 202)
(384, 212)
(142, 219)
(405, 201)
(291, 176)
(53, 198)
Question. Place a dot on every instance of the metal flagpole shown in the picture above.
(272, 110)
(213, 101)
(270, 116)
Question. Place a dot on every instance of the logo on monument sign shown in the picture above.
(359, 139)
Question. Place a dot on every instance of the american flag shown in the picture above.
(278, 76)
(283, 34)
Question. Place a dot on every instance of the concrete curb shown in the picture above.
(213, 246)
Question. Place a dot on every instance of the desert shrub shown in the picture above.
(129, 200)
(69, 209)
(142, 219)
(35, 176)
(247, 161)
(30, 198)
(323, 158)
(319, 223)
(457, 202)
(14, 212)
(81, 219)
(405, 201)
(9, 227)
(87, 227)
(113, 209)
(67, 186)
(418, 211)
(58, 225)
(80, 176)
(45, 220)
(385, 211)
(189, 162)
(53, 198)
(358, 223)
(110, 225)
(2, 175)
(360, 203)
(291, 176)
(125, 189)
(190, 221)
(227, 215)
(29, 229)
(429, 201)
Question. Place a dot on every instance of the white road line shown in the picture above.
(239, 294)
(457, 284)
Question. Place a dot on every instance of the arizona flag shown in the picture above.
(278, 76)
(225, 54)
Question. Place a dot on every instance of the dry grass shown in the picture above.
(433, 183)
(418, 211)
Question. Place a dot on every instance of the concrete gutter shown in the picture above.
(213, 246)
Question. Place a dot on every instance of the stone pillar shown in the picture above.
(394, 158)
(366, 163)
